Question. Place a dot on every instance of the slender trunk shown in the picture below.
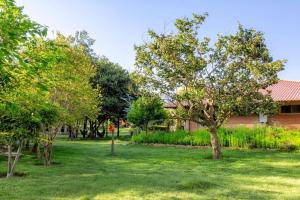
(38, 151)
(46, 155)
(215, 144)
(95, 129)
(70, 132)
(118, 128)
(91, 128)
(49, 154)
(34, 147)
(85, 127)
(113, 143)
(12, 164)
(9, 161)
(27, 144)
(106, 128)
(16, 158)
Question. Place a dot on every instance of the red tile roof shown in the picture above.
(285, 91)
(282, 91)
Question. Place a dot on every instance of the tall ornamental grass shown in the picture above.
(240, 137)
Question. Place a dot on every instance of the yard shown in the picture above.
(85, 170)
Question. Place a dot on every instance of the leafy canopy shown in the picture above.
(209, 82)
(113, 83)
(146, 109)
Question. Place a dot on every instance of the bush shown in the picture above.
(240, 137)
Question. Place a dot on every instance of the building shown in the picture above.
(286, 93)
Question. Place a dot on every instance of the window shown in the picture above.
(296, 109)
(290, 109)
(286, 109)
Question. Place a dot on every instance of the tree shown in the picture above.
(209, 83)
(16, 29)
(113, 82)
(21, 99)
(67, 79)
(146, 109)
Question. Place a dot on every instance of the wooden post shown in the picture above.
(113, 143)
(112, 131)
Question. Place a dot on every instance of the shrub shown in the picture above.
(239, 137)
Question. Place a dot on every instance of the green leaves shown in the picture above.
(16, 29)
(145, 109)
(114, 85)
(214, 81)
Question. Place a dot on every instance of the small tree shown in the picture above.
(209, 83)
(145, 109)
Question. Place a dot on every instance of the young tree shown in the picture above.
(209, 83)
(66, 82)
(146, 109)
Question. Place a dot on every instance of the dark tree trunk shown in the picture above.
(70, 132)
(34, 147)
(106, 128)
(215, 144)
(118, 128)
(84, 127)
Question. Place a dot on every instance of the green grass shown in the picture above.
(85, 170)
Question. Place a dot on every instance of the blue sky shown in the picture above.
(119, 24)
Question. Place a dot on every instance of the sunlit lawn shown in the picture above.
(85, 170)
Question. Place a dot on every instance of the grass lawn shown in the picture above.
(85, 170)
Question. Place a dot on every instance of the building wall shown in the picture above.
(247, 121)
(191, 126)
(290, 121)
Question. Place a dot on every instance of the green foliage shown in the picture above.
(16, 29)
(241, 137)
(145, 109)
(113, 83)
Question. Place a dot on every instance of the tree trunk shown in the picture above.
(146, 128)
(118, 128)
(84, 127)
(46, 155)
(38, 151)
(9, 161)
(12, 164)
(113, 143)
(16, 158)
(215, 144)
(106, 128)
(27, 144)
(34, 148)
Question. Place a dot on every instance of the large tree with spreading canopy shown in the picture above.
(209, 83)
